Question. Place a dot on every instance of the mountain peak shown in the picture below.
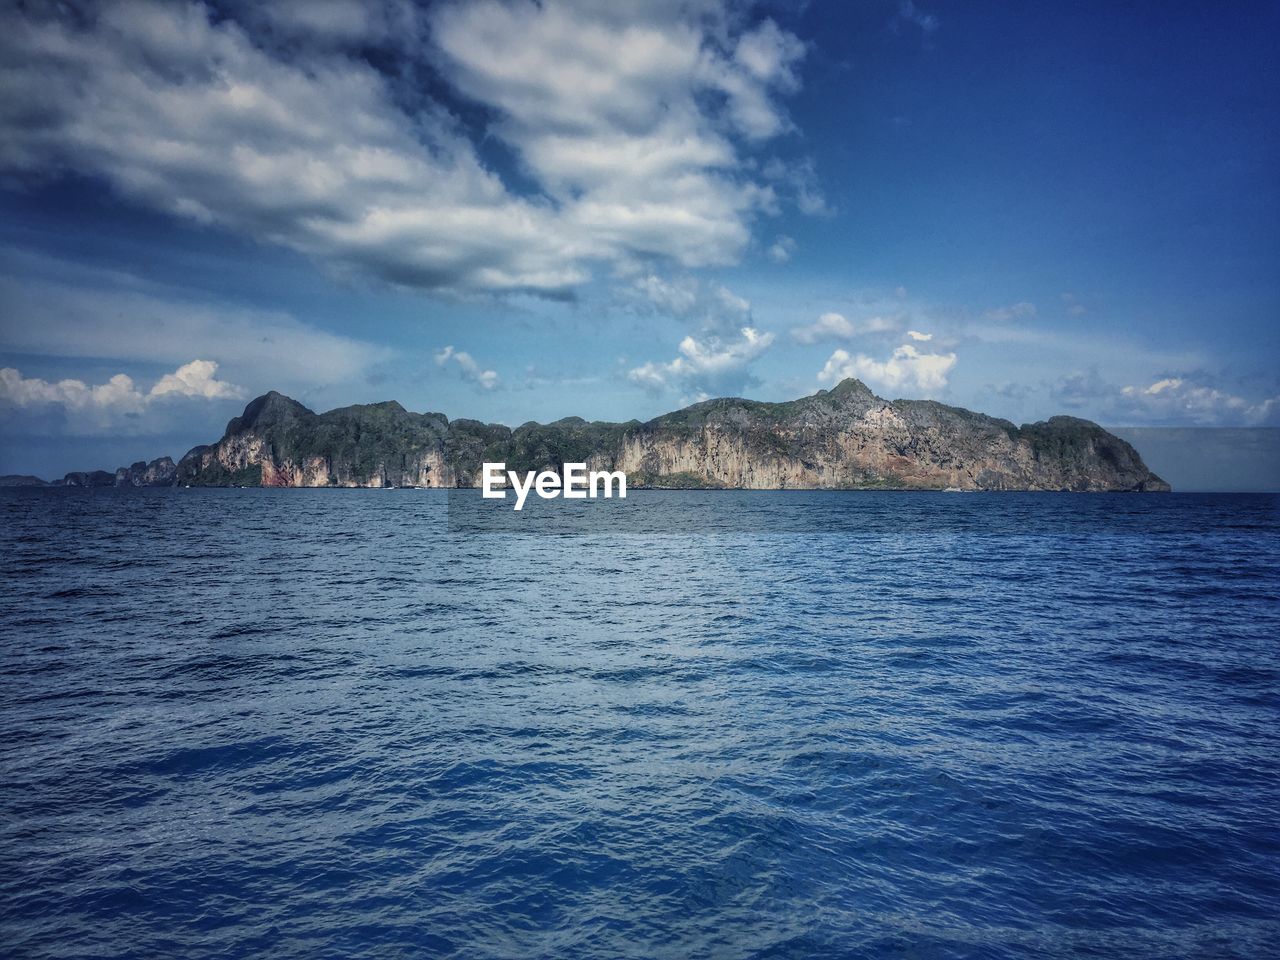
(270, 409)
(851, 385)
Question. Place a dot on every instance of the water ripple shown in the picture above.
(319, 724)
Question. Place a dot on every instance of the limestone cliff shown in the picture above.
(160, 472)
(277, 442)
(849, 438)
(844, 438)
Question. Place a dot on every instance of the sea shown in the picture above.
(414, 723)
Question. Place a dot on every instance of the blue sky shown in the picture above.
(513, 211)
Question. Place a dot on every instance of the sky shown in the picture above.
(517, 211)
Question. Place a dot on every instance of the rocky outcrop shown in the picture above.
(21, 480)
(160, 472)
(90, 478)
(844, 438)
(277, 442)
(848, 438)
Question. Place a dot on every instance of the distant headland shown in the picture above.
(845, 438)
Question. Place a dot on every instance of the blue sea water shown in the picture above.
(240, 723)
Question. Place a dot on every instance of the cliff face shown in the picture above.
(158, 473)
(277, 442)
(844, 438)
(849, 438)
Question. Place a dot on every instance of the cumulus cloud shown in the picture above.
(631, 126)
(717, 358)
(917, 335)
(105, 404)
(835, 326)
(906, 368)
(466, 364)
(782, 249)
(195, 379)
(1014, 311)
(706, 366)
(118, 394)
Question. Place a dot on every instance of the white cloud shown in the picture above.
(632, 127)
(835, 326)
(1180, 400)
(906, 367)
(195, 379)
(616, 117)
(764, 60)
(106, 404)
(917, 335)
(707, 366)
(1014, 311)
(486, 379)
(1173, 400)
(782, 249)
(118, 393)
(188, 115)
(1168, 385)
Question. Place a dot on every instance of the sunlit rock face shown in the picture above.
(844, 438)
(848, 438)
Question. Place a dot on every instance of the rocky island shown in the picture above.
(845, 438)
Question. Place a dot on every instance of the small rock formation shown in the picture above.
(160, 472)
(843, 438)
(90, 478)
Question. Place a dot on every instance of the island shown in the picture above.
(845, 438)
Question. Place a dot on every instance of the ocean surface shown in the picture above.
(345, 723)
